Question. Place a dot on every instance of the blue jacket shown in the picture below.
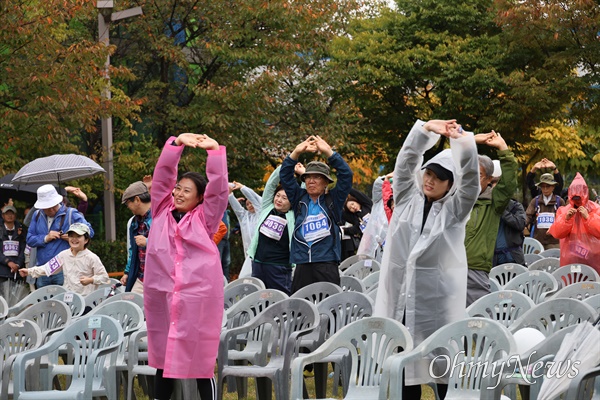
(38, 229)
(327, 249)
(133, 261)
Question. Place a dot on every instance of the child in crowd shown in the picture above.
(83, 269)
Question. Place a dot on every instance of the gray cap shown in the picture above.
(319, 168)
(9, 208)
(135, 189)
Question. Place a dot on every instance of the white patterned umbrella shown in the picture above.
(57, 169)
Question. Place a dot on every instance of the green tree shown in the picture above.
(445, 59)
(51, 81)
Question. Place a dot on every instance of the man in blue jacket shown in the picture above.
(316, 245)
(137, 198)
(48, 230)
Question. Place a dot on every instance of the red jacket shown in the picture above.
(579, 237)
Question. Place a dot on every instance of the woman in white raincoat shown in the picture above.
(423, 281)
(247, 217)
(371, 243)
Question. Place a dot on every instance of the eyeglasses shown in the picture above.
(313, 178)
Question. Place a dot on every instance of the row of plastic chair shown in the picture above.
(55, 329)
(255, 341)
(539, 284)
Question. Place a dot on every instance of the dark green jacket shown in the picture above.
(482, 227)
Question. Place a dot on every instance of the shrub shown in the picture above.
(112, 254)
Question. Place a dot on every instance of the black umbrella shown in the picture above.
(17, 191)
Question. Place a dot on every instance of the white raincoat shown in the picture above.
(248, 223)
(423, 279)
(373, 238)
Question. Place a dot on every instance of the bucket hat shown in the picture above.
(317, 167)
(548, 179)
(47, 197)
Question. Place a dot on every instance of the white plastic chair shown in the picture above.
(575, 273)
(136, 298)
(249, 279)
(50, 315)
(353, 259)
(247, 348)
(15, 337)
(362, 268)
(532, 246)
(554, 315)
(551, 253)
(75, 301)
(351, 284)
(549, 264)
(368, 342)
(504, 306)
(371, 281)
(287, 321)
(315, 292)
(579, 291)
(531, 258)
(472, 341)
(91, 339)
(505, 272)
(3, 308)
(594, 302)
(494, 286)
(235, 293)
(137, 359)
(131, 318)
(337, 311)
(41, 294)
(538, 355)
(535, 284)
(93, 299)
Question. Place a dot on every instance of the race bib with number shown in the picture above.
(52, 266)
(10, 248)
(315, 227)
(364, 221)
(545, 220)
(273, 227)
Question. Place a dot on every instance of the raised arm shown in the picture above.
(421, 137)
(269, 192)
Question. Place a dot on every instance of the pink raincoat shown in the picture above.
(183, 279)
(579, 238)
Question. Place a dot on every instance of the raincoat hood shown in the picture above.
(445, 160)
(578, 188)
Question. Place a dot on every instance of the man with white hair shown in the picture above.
(482, 228)
(48, 230)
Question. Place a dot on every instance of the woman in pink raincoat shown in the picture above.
(577, 225)
(183, 281)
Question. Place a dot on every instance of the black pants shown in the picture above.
(306, 274)
(163, 387)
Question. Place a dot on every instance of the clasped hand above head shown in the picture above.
(313, 144)
(492, 139)
(449, 128)
(197, 140)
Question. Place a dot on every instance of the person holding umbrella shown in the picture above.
(48, 230)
